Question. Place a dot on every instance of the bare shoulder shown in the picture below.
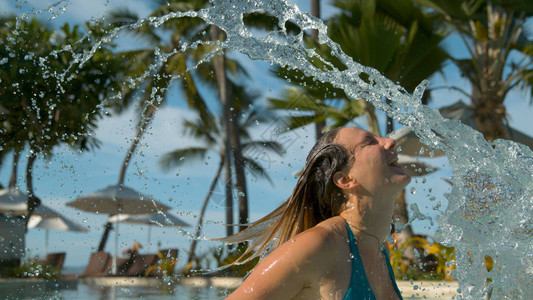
(309, 247)
(295, 265)
(325, 236)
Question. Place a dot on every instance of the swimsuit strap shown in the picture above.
(359, 285)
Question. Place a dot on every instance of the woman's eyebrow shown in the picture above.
(369, 137)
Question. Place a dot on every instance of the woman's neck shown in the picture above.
(369, 222)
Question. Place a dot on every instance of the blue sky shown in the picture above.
(68, 175)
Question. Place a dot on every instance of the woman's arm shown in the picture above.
(283, 274)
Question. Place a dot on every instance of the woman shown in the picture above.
(132, 253)
(329, 235)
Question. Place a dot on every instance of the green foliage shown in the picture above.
(33, 268)
(230, 259)
(200, 263)
(220, 257)
(396, 37)
(165, 265)
(491, 31)
(49, 93)
(436, 261)
(154, 69)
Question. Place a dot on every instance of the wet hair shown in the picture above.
(314, 199)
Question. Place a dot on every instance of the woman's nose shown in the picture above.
(389, 144)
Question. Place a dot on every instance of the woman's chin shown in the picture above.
(402, 180)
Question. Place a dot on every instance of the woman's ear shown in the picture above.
(344, 181)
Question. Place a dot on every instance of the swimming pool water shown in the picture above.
(74, 289)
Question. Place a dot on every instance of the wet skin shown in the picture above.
(316, 264)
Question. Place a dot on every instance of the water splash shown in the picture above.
(490, 206)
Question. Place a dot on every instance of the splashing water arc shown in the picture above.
(491, 204)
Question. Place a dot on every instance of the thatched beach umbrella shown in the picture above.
(117, 199)
(13, 202)
(113, 200)
(159, 219)
(46, 218)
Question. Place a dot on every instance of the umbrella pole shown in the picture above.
(46, 243)
(103, 241)
(116, 251)
(149, 234)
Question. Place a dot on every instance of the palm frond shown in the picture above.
(200, 131)
(296, 99)
(181, 156)
(256, 170)
(124, 16)
(259, 147)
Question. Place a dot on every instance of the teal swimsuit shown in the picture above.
(359, 285)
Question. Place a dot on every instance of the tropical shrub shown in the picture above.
(436, 261)
(33, 268)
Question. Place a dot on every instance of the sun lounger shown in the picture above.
(99, 265)
(123, 264)
(55, 260)
(140, 264)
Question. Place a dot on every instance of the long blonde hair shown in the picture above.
(314, 199)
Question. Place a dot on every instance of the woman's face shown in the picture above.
(375, 162)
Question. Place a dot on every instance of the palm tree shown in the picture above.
(501, 55)
(166, 65)
(210, 131)
(48, 98)
(228, 124)
(154, 69)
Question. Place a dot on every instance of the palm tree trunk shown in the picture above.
(400, 213)
(489, 115)
(202, 210)
(371, 116)
(35, 147)
(141, 127)
(315, 11)
(228, 194)
(33, 201)
(226, 100)
(13, 179)
(401, 216)
(241, 182)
